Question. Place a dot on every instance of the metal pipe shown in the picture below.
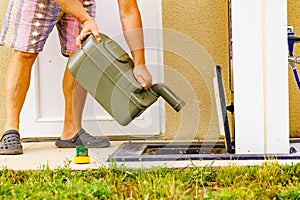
(294, 60)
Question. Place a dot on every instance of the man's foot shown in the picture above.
(11, 143)
(82, 138)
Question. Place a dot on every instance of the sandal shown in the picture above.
(11, 143)
(82, 138)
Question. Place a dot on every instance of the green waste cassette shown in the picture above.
(105, 70)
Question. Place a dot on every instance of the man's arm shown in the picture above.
(133, 32)
(75, 8)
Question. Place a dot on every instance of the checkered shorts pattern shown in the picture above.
(28, 23)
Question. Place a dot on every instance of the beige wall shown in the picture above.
(205, 21)
(5, 55)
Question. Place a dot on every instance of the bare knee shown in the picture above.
(19, 69)
(24, 56)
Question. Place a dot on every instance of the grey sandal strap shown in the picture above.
(77, 135)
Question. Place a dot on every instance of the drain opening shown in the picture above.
(184, 149)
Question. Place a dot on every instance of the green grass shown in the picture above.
(269, 181)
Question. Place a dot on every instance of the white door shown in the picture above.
(42, 114)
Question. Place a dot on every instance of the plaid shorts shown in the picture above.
(28, 23)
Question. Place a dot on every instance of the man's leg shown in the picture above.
(73, 134)
(17, 84)
(75, 96)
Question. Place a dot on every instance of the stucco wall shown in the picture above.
(5, 55)
(204, 21)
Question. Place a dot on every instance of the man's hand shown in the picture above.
(143, 76)
(89, 27)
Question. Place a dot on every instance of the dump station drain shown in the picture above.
(163, 151)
